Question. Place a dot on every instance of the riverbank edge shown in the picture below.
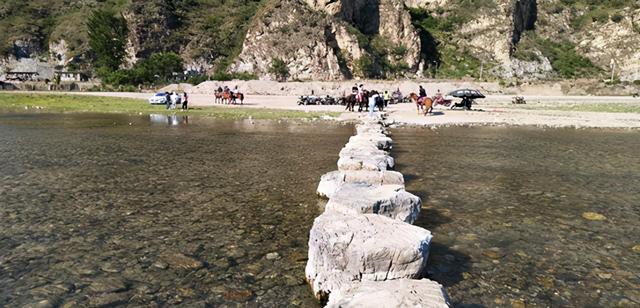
(77, 104)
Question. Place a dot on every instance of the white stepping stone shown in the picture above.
(366, 162)
(344, 249)
(403, 293)
(332, 181)
(387, 200)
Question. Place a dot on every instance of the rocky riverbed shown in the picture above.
(99, 210)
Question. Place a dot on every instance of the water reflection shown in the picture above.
(169, 119)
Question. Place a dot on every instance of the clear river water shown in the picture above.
(99, 210)
(509, 209)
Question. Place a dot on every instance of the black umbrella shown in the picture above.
(467, 93)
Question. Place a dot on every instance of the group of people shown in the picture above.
(374, 96)
(173, 99)
(227, 89)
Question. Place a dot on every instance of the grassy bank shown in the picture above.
(55, 103)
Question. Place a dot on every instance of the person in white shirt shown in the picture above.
(372, 102)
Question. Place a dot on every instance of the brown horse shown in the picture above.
(424, 103)
(219, 98)
(233, 97)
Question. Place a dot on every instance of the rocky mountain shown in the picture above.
(341, 39)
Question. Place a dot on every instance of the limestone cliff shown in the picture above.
(499, 32)
(291, 31)
(338, 39)
(323, 39)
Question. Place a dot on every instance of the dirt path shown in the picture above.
(494, 110)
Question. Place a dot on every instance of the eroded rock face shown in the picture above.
(615, 41)
(291, 31)
(387, 200)
(391, 293)
(387, 18)
(58, 52)
(313, 37)
(344, 249)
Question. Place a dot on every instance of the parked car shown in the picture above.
(158, 99)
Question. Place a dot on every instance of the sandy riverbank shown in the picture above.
(552, 110)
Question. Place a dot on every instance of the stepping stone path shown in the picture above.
(363, 250)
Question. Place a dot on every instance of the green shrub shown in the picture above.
(365, 67)
(245, 76)
(400, 51)
(279, 69)
(158, 68)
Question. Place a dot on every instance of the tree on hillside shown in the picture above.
(159, 66)
(279, 69)
(107, 39)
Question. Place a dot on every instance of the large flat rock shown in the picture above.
(368, 149)
(344, 249)
(388, 200)
(365, 162)
(381, 141)
(391, 294)
(370, 128)
(332, 181)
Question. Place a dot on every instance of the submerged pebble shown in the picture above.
(593, 216)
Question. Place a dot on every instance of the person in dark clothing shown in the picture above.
(167, 99)
(185, 101)
(423, 92)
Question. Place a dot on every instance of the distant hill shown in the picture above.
(338, 39)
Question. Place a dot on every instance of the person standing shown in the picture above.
(174, 99)
(185, 101)
(167, 99)
(372, 102)
(387, 98)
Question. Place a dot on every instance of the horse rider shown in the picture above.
(437, 98)
(360, 93)
(226, 89)
(219, 89)
(422, 92)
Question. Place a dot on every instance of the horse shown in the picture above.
(424, 103)
(239, 96)
(350, 102)
(233, 97)
(219, 98)
(364, 102)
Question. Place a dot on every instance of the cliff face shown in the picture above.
(291, 31)
(337, 39)
(327, 36)
(499, 32)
